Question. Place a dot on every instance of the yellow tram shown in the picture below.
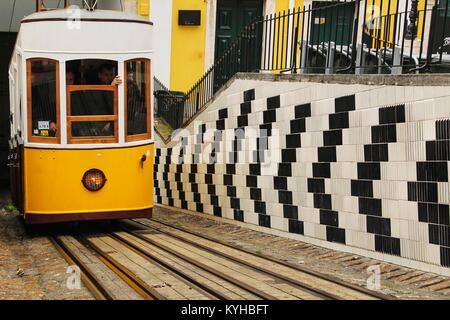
(81, 144)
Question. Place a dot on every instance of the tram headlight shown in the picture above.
(94, 179)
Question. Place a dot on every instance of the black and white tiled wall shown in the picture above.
(355, 165)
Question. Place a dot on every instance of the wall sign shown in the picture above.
(189, 17)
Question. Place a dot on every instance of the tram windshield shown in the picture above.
(91, 99)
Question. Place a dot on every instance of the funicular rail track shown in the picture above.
(208, 268)
(192, 238)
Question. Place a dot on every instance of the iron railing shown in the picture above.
(326, 39)
(168, 105)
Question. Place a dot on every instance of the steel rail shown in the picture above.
(124, 273)
(332, 279)
(156, 260)
(314, 291)
(88, 278)
(253, 290)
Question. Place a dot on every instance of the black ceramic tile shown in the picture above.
(249, 95)
(260, 207)
(384, 133)
(321, 170)
(395, 114)
(332, 137)
(239, 215)
(345, 103)
(387, 244)
(329, 218)
(335, 234)
(242, 121)
(303, 111)
(423, 191)
(316, 185)
(327, 154)
(338, 120)
(264, 220)
(378, 225)
(370, 206)
(362, 188)
(284, 197)
(376, 152)
(223, 113)
(284, 170)
(290, 211)
(293, 141)
(273, 102)
(369, 171)
(217, 211)
(298, 126)
(289, 155)
(296, 226)
(322, 201)
(269, 116)
(432, 171)
(280, 183)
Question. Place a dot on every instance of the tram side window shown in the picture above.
(138, 99)
(43, 99)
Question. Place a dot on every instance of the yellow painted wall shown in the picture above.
(421, 8)
(53, 180)
(281, 5)
(298, 3)
(188, 47)
(381, 19)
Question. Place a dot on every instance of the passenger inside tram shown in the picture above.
(92, 102)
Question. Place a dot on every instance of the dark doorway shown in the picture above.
(232, 17)
(7, 41)
(440, 37)
(333, 23)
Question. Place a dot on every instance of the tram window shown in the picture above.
(93, 129)
(90, 72)
(91, 113)
(43, 100)
(91, 102)
(137, 93)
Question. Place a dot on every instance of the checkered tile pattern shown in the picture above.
(343, 169)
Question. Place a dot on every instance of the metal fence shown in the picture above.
(329, 38)
(168, 105)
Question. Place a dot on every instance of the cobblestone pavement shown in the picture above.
(30, 266)
(399, 281)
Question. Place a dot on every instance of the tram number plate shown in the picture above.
(43, 125)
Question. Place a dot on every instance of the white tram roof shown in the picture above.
(98, 15)
(69, 31)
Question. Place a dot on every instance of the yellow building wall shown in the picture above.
(188, 47)
(188, 43)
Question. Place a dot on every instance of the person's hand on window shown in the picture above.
(116, 81)
(107, 127)
(52, 126)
